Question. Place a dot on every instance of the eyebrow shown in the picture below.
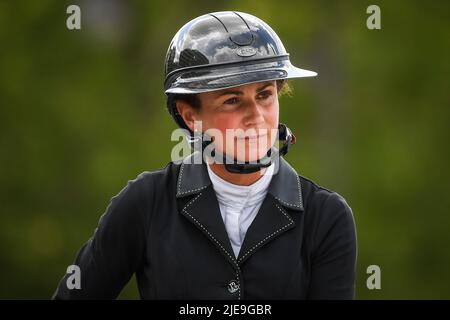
(238, 92)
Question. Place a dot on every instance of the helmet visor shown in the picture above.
(211, 78)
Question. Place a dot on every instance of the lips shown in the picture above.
(252, 137)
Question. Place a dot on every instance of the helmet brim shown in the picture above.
(212, 79)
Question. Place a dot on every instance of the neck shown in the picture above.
(236, 178)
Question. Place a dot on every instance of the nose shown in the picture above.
(254, 114)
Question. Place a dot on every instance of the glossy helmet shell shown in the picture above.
(221, 50)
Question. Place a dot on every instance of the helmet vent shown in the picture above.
(237, 28)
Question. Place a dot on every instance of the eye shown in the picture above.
(263, 95)
(233, 100)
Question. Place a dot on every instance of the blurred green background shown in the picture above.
(82, 112)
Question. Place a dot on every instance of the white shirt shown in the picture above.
(239, 205)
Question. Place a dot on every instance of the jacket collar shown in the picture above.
(284, 186)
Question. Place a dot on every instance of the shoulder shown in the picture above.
(139, 194)
(148, 177)
(318, 196)
(131, 208)
(145, 183)
(325, 210)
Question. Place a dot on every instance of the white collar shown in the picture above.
(237, 196)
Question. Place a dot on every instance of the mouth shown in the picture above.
(251, 138)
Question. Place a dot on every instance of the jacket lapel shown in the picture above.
(203, 209)
(204, 212)
(271, 221)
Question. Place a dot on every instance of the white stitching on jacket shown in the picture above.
(215, 240)
(299, 196)
(179, 184)
(179, 178)
(239, 289)
(270, 235)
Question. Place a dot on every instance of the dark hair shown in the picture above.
(193, 100)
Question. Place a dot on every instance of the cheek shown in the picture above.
(222, 122)
(272, 117)
(227, 121)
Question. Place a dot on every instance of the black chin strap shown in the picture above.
(285, 136)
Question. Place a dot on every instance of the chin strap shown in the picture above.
(285, 136)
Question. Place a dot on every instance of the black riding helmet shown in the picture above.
(226, 49)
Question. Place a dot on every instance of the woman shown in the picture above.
(241, 224)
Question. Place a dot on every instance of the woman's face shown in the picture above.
(251, 112)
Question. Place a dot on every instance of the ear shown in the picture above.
(188, 113)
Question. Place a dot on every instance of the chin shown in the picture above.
(251, 154)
